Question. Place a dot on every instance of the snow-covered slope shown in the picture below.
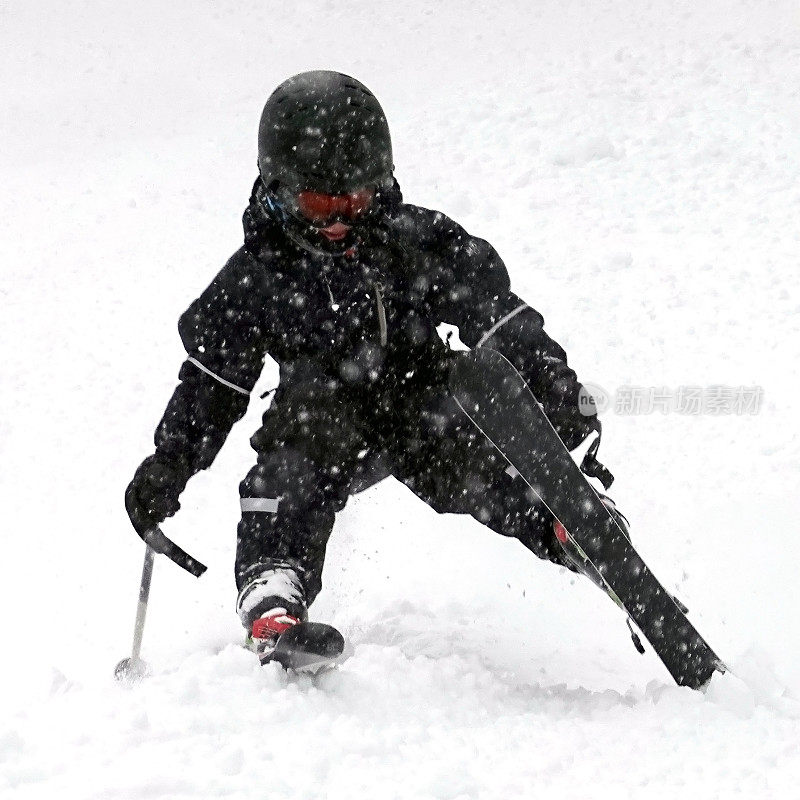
(637, 167)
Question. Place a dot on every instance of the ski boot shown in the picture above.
(272, 609)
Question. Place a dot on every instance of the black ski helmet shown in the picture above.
(325, 132)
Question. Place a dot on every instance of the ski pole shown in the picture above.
(133, 669)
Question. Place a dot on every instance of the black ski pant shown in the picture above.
(323, 440)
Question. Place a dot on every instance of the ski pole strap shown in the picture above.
(153, 536)
(592, 467)
(160, 543)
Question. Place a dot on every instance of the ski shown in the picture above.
(308, 647)
(500, 404)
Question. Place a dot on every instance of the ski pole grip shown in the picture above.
(157, 540)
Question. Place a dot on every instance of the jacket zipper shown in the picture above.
(381, 312)
(334, 304)
(378, 288)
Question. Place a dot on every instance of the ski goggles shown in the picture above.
(320, 209)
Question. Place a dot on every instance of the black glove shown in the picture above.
(571, 425)
(156, 487)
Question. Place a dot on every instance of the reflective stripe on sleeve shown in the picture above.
(496, 327)
(217, 377)
(267, 505)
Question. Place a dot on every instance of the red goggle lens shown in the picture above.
(319, 207)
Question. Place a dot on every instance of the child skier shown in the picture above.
(344, 285)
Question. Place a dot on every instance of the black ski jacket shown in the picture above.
(366, 321)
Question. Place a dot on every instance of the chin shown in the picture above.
(321, 245)
(336, 246)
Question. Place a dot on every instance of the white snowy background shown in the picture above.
(637, 165)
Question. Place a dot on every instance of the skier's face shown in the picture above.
(328, 223)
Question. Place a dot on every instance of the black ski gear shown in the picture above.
(323, 132)
(309, 647)
(321, 442)
(363, 380)
(156, 487)
(495, 397)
